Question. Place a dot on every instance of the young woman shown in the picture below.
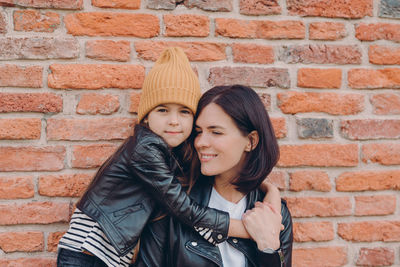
(237, 148)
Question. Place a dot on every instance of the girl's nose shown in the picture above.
(173, 119)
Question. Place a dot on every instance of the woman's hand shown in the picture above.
(263, 223)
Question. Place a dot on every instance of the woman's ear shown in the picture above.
(253, 141)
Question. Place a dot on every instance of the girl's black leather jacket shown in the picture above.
(138, 176)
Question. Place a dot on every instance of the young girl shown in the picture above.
(116, 206)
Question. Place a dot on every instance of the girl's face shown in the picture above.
(219, 143)
(173, 122)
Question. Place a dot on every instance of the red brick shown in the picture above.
(52, 241)
(89, 129)
(3, 24)
(112, 24)
(256, 7)
(266, 29)
(122, 4)
(34, 213)
(384, 55)
(313, 231)
(322, 155)
(64, 185)
(331, 8)
(21, 76)
(29, 262)
(382, 153)
(253, 53)
(34, 20)
(279, 125)
(331, 103)
(30, 102)
(195, 51)
(266, 99)
(375, 257)
(210, 5)
(321, 256)
(368, 180)
(375, 205)
(20, 128)
(92, 104)
(370, 231)
(278, 178)
(370, 129)
(185, 25)
(95, 76)
(16, 187)
(21, 241)
(378, 31)
(250, 76)
(386, 104)
(321, 54)
(319, 206)
(59, 4)
(370, 79)
(319, 78)
(310, 180)
(134, 98)
(91, 156)
(108, 50)
(327, 31)
(28, 158)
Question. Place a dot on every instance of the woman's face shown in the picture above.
(219, 143)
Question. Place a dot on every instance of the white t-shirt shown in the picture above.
(230, 256)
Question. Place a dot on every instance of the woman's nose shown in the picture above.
(201, 141)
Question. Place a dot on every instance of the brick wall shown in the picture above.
(327, 70)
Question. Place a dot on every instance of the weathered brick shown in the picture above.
(134, 98)
(210, 5)
(313, 231)
(331, 256)
(319, 206)
(375, 205)
(195, 51)
(371, 78)
(34, 20)
(52, 241)
(323, 155)
(112, 24)
(278, 178)
(253, 53)
(49, 158)
(38, 48)
(92, 104)
(378, 31)
(319, 78)
(368, 181)
(310, 180)
(108, 50)
(331, 103)
(3, 24)
(386, 104)
(375, 257)
(389, 9)
(354, 9)
(279, 125)
(59, 4)
(327, 31)
(264, 29)
(91, 156)
(21, 76)
(29, 262)
(95, 76)
(30, 102)
(256, 7)
(89, 129)
(34, 213)
(20, 128)
(21, 241)
(161, 4)
(123, 4)
(186, 25)
(266, 100)
(370, 231)
(370, 129)
(64, 185)
(16, 187)
(250, 76)
(314, 128)
(321, 54)
(382, 153)
(384, 55)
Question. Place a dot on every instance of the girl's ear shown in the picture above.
(253, 141)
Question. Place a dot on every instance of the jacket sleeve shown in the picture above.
(150, 165)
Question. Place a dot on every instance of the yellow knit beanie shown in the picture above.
(171, 80)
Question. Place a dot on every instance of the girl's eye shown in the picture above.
(186, 111)
(162, 110)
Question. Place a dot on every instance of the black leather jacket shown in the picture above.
(123, 193)
(169, 243)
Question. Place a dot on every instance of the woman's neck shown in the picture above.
(227, 190)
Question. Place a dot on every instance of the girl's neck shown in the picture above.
(227, 190)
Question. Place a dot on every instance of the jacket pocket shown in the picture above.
(122, 213)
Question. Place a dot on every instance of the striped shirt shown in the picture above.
(86, 234)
